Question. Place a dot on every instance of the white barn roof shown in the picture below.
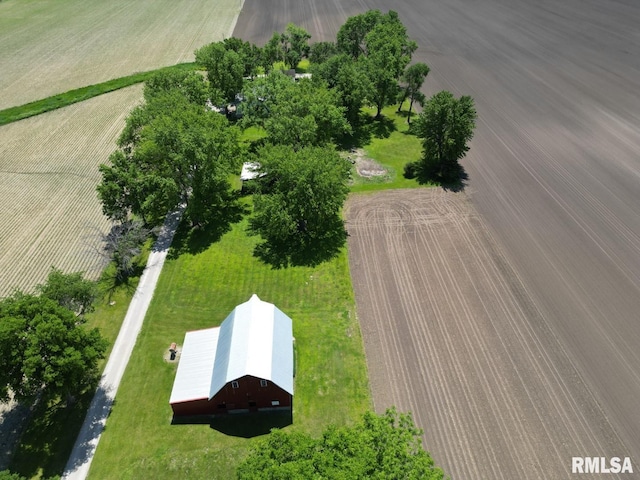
(193, 378)
(255, 339)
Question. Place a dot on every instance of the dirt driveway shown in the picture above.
(452, 335)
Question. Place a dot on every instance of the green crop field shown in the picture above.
(48, 48)
(198, 291)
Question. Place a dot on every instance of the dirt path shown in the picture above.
(452, 335)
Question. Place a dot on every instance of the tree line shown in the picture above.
(175, 149)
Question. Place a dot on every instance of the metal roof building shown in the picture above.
(246, 364)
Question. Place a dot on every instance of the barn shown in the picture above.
(244, 365)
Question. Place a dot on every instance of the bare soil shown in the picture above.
(452, 335)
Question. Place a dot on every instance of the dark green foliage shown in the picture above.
(69, 290)
(289, 47)
(321, 51)
(297, 210)
(380, 447)
(7, 475)
(297, 114)
(191, 84)
(250, 54)
(349, 79)
(351, 36)
(225, 70)
(171, 152)
(413, 78)
(388, 52)
(44, 350)
(445, 126)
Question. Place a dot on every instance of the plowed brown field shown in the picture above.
(452, 335)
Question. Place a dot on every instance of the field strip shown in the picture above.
(51, 47)
(451, 334)
(50, 213)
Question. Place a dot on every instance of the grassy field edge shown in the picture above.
(13, 114)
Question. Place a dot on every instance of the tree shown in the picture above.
(296, 44)
(351, 35)
(349, 79)
(171, 152)
(249, 53)
(297, 114)
(69, 290)
(378, 447)
(191, 84)
(388, 52)
(320, 52)
(225, 70)
(445, 126)
(298, 203)
(289, 47)
(413, 78)
(123, 244)
(45, 350)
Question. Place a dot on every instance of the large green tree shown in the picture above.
(351, 35)
(288, 47)
(69, 290)
(379, 447)
(225, 70)
(297, 208)
(45, 350)
(445, 126)
(349, 79)
(171, 152)
(297, 114)
(388, 52)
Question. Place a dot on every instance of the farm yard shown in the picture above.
(52, 47)
(504, 317)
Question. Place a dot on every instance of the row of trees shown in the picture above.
(46, 350)
(175, 150)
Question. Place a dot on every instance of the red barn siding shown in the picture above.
(250, 395)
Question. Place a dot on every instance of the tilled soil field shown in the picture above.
(452, 335)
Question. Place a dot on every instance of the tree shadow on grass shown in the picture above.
(49, 438)
(367, 128)
(303, 251)
(193, 240)
(453, 178)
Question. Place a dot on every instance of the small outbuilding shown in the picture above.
(245, 364)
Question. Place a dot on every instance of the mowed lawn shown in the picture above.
(198, 291)
(48, 48)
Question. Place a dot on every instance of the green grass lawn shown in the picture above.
(198, 291)
(390, 143)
